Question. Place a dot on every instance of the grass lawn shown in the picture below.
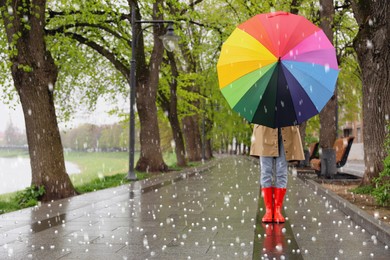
(13, 153)
(96, 165)
(99, 165)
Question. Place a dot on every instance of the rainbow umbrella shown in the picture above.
(277, 69)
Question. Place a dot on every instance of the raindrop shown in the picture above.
(51, 87)
(327, 68)
(29, 112)
(369, 44)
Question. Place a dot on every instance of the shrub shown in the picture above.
(29, 196)
(381, 191)
(363, 189)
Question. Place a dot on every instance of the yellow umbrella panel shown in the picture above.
(240, 55)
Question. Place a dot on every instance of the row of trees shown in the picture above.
(61, 53)
(89, 137)
(13, 136)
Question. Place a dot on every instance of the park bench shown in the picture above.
(342, 146)
(311, 154)
(313, 150)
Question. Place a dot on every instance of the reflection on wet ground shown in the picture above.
(273, 240)
(48, 223)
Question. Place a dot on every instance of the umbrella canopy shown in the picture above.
(277, 69)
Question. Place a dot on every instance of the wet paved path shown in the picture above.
(211, 215)
(323, 231)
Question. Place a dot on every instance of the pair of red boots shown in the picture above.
(273, 199)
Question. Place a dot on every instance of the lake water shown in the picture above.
(15, 173)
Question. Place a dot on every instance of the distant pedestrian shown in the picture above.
(275, 146)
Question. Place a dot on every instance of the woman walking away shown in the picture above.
(275, 146)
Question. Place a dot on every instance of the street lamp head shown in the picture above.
(170, 39)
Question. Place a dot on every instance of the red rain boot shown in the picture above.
(279, 197)
(267, 196)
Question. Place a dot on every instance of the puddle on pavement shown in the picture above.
(274, 241)
(48, 223)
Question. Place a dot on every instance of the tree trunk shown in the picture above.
(209, 149)
(302, 127)
(170, 105)
(208, 129)
(373, 51)
(191, 123)
(151, 159)
(178, 139)
(328, 132)
(192, 137)
(35, 74)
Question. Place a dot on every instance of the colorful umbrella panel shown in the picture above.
(277, 69)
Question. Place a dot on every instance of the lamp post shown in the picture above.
(169, 42)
